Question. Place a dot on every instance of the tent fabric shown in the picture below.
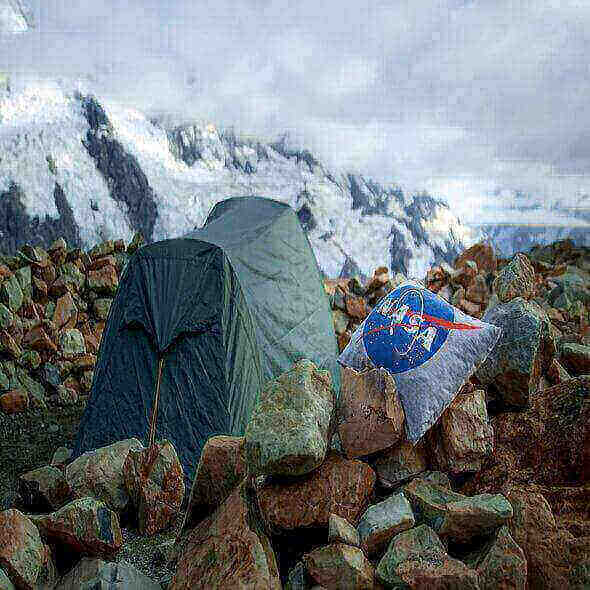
(227, 307)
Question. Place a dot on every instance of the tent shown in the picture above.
(200, 323)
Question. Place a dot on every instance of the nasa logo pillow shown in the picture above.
(429, 346)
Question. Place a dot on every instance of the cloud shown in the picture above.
(466, 98)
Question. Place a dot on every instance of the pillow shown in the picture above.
(430, 347)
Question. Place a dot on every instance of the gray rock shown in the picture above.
(382, 521)
(341, 531)
(299, 578)
(516, 279)
(290, 428)
(514, 365)
(100, 575)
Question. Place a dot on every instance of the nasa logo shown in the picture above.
(408, 327)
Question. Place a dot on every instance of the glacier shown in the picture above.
(77, 164)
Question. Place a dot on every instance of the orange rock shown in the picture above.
(482, 254)
(343, 340)
(356, 307)
(14, 401)
(65, 312)
(37, 339)
(100, 262)
(340, 486)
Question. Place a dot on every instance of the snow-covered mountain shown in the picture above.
(15, 17)
(84, 167)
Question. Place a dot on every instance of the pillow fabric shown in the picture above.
(430, 347)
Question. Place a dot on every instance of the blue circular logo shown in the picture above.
(407, 328)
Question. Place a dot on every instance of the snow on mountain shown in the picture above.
(87, 168)
(15, 17)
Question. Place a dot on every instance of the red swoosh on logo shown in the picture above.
(431, 320)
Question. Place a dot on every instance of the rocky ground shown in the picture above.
(497, 495)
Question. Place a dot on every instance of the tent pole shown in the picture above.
(154, 416)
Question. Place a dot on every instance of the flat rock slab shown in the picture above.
(155, 483)
(96, 573)
(339, 486)
(341, 531)
(99, 474)
(84, 526)
(339, 566)
(229, 549)
(416, 559)
(22, 552)
(289, 430)
(221, 468)
(382, 521)
(370, 413)
(44, 489)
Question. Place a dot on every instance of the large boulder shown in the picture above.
(514, 364)
(416, 559)
(221, 468)
(482, 254)
(339, 486)
(22, 552)
(338, 566)
(382, 521)
(290, 428)
(370, 413)
(85, 526)
(155, 483)
(101, 575)
(229, 549)
(99, 474)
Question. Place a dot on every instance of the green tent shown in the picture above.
(200, 323)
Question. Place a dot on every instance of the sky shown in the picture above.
(468, 99)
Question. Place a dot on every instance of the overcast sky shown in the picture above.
(460, 97)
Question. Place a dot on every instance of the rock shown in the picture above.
(516, 279)
(482, 254)
(9, 345)
(104, 280)
(341, 531)
(339, 486)
(466, 435)
(549, 550)
(477, 292)
(5, 583)
(475, 516)
(136, 242)
(229, 549)
(557, 373)
(22, 553)
(338, 566)
(514, 365)
(14, 401)
(61, 456)
(40, 289)
(155, 484)
(34, 389)
(221, 468)
(430, 501)
(84, 526)
(44, 489)
(398, 464)
(101, 307)
(382, 521)
(103, 261)
(12, 294)
(416, 559)
(576, 358)
(86, 379)
(299, 578)
(23, 276)
(343, 340)
(341, 321)
(71, 343)
(99, 474)
(370, 413)
(65, 312)
(30, 359)
(70, 279)
(66, 396)
(6, 317)
(101, 249)
(504, 566)
(290, 428)
(37, 339)
(356, 307)
(98, 574)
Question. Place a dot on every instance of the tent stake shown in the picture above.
(154, 416)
